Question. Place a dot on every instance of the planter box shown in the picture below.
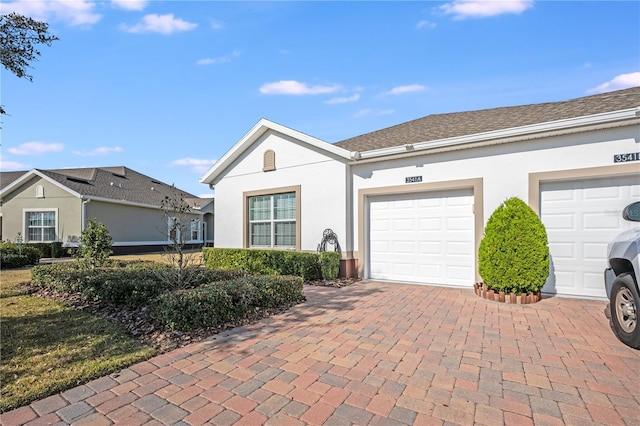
(481, 290)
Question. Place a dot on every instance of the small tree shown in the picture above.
(19, 36)
(514, 255)
(178, 215)
(95, 243)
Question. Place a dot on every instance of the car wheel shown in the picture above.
(624, 310)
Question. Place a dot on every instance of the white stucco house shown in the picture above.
(409, 202)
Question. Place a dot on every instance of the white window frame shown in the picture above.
(193, 224)
(295, 191)
(197, 225)
(25, 224)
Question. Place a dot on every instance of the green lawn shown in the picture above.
(46, 347)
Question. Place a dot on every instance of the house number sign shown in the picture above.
(413, 179)
(623, 158)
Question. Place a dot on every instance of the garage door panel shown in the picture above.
(601, 220)
(403, 247)
(380, 225)
(560, 221)
(432, 238)
(400, 225)
(429, 224)
(594, 251)
(581, 217)
(602, 194)
(458, 248)
(429, 247)
(592, 281)
(459, 223)
(563, 250)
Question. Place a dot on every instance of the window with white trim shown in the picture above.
(195, 230)
(41, 226)
(272, 220)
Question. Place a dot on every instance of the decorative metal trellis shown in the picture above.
(329, 237)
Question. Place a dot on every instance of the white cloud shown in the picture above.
(462, 9)
(213, 61)
(623, 81)
(8, 166)
(410, 88)
(343, 100)
(71, 12)
(197, 165)
(372, 112)
(130, 4)
(217, 25)
(36, 148)
(219, 60)
(163, 24)
(425, 24)
(292, 87)
(103, 150)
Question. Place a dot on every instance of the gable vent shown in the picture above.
(269, 161)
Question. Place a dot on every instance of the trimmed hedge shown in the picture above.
(14, 256)
(308, 266)
(53, 249)
(514, 255)
(126, 284)
(226, 303)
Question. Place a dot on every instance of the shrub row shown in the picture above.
(53, 249)
(16, 256)
(308, 266)
(125, 284)
(217, 298)
(226, 302)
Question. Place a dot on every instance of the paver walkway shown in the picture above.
(378, 353)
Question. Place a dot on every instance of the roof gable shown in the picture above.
(254, 135)
(438, 127)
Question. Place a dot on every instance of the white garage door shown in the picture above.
(422, 238)
(581, 218)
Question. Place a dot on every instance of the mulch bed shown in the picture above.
(140, 327)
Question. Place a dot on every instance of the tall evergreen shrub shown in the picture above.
(514, 254)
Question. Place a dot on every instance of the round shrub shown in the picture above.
(514, 255)
(17, 255)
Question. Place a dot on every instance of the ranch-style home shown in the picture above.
(54, 205)
(409, 202)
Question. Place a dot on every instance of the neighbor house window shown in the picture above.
(41, 226)
(195, 230)
(273, 220)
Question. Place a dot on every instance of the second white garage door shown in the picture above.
(581, 217)
(422, 238)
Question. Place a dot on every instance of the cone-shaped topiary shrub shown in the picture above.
(514, 255)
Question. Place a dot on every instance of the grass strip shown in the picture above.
(46, 347)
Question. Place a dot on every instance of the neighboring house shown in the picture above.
(409, 202)
(54, 205)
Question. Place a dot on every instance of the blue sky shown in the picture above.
(167, 87)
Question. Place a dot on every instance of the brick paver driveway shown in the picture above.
(378, 353)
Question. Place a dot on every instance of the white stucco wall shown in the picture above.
(323, 189)
(504, 168)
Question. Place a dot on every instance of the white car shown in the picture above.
(621, 280)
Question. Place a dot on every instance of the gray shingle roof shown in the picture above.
(443, 126)
(114, 183)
